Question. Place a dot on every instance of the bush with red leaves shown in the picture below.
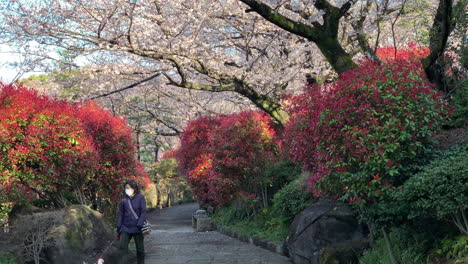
(223, 156)
(60, 152)
(359, 135)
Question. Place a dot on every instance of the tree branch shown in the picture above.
(298, 28)
(176, 130)
(361, 36)
(325, 36)
(133, 85)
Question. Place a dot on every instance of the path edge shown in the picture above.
(278, 248)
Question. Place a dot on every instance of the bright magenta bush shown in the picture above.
(357, 136)
(222, 156)
(60, 152)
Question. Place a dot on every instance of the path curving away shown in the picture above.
(174, 241)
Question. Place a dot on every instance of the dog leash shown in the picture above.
(100, 258)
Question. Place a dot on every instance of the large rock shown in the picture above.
(325, 233)
(81, 236)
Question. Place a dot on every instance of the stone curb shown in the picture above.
(253, 240)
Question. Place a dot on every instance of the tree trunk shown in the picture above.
(440, 31)
(158, 196)
(156, 151)
(338, 58)
(138, 144)
(274, 109)
(324, 36)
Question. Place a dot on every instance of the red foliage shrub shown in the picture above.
(223, 156)
(358, 135)
(241, 147)
(414, 52)
(43, 146)
(114, 147)
(53, 150)
(193, 157)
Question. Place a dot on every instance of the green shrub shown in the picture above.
(454, 248)
(224, 215)
(275, 176)
(166, 168)
(420, 242)
(406, 250)
(290, 201)
(281, 173)
(170, 184)
(422, 207)
(438, 191)
(459, 100)
(7, 258)
(5, 209)
(271, 223)
(263, 224)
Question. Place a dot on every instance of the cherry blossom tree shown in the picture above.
(255, 49)
(209, 45)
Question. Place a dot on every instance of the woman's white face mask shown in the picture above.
(129, 192)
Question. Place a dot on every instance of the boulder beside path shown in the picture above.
(324, 233)
(81, 237)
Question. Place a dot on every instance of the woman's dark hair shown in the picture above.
(132, 184)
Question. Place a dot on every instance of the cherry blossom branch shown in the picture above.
(283, 22)
(325, 36)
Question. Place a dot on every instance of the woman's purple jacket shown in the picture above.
(126, 221)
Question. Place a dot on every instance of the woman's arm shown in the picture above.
(142, 216)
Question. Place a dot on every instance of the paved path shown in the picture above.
(173, 241)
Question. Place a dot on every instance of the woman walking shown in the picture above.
(130, 220)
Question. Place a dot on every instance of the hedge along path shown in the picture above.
(174, 241)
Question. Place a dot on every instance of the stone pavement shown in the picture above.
(174, 241)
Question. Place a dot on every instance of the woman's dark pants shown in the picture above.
(140, 247)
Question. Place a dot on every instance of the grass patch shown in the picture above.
(262, 224)
(271, 223)
(423, 245)
(404, 251)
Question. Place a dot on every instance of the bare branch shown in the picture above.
(133, 85)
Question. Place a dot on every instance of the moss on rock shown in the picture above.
(82, 233)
